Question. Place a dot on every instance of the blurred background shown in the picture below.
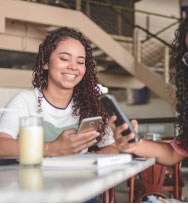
(131, 41)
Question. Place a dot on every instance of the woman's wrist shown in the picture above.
(46, 149)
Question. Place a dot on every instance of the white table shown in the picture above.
(18, 184)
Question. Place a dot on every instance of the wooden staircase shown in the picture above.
(23, 25)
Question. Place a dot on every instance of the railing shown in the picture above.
(148, 46)
(120, 14)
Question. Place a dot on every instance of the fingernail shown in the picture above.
(97, 134)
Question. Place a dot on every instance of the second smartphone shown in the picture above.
(111, 105)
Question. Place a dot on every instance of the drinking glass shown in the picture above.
(31, 140)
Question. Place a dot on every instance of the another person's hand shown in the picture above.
(69, 142)
(122, 142)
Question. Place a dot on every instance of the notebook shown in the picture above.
(87, 160)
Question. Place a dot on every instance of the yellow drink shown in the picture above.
(31, 145)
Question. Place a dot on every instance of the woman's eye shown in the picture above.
(64, 59)
(81, 62)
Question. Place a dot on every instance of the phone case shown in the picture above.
(89, 124)
(112, 107)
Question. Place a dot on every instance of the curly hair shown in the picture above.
(86, 94)
(179, 71)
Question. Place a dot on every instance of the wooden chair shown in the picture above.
(157, 180)
(109, 196)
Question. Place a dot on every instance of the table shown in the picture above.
(38, 184)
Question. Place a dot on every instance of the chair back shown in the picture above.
(153, 177)
(157, 180)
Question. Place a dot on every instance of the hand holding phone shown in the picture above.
(89, 124)
(112, 107)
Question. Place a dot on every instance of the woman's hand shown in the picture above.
(122, 141)
(66, 144)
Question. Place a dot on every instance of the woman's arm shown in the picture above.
(65, 144)
(9, 147)
(163, 152)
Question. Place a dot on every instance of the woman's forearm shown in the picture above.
(163, 152)
(9, 147)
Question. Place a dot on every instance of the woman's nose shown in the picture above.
(72, 65)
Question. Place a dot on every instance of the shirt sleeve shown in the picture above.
(179, 150)
(9, 121)
(107, 139)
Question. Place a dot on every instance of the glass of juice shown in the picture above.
(31, 138)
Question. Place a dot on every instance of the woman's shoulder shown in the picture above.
(28, 95)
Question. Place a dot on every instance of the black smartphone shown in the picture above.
(111, 105)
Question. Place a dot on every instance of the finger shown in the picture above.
(119, 130)
(135, 124)
(77, 144)
(129, 147)
(112, 120)
(123, 140)
(112, 126)
(85, 136)
(86, 140)
(86, 145)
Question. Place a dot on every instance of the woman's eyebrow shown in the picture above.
(81, 57)
(67, 53)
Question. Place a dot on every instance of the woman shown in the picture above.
(65, 91)
(177, 149)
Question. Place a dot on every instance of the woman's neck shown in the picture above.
(59, 98)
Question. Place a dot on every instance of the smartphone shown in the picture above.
(89, 124)
(111, 105)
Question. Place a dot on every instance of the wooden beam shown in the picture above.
(119, 81)
(15, 78)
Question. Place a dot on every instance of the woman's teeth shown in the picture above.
(70, 75)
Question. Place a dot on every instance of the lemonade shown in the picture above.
(31, 145)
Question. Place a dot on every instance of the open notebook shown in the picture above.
(87, 160)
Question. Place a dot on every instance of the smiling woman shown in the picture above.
(65, 91)
(66, 67)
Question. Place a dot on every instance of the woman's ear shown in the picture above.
(45, 66)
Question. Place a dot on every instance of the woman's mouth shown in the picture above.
(70, 76)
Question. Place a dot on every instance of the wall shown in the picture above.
(155, 108)
(6, 94)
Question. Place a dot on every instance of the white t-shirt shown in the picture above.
(55, 119)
